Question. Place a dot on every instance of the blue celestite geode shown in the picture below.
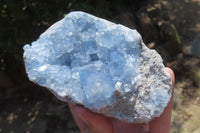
(104, 66)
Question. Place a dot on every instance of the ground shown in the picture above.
(185, 14)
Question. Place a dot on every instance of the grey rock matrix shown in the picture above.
(103, 66)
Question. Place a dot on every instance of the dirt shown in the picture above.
(185, 15)
(186, 105)
(32, 109)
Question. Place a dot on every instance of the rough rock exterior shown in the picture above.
(104, 66)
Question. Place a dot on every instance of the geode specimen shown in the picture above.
(101, 65)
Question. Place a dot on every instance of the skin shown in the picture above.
(90, 122)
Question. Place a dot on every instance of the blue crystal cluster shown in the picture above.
(93, 62)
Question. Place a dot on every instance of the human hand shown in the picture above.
(90, 122)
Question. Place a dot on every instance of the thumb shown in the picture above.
(88, 121)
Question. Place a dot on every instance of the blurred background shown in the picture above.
(171, 27)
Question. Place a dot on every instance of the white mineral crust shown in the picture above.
(101, 65)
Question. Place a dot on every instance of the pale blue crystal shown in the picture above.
(101, 65)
